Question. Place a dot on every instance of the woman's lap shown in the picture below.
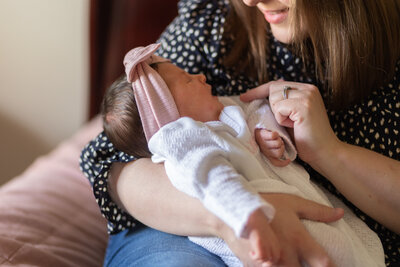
(148, 247)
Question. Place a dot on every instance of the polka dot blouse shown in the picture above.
(194, 41)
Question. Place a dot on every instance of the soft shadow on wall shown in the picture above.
(18, 148)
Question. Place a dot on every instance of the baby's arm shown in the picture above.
(265, 247)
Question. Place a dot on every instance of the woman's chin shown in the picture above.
(282, 33)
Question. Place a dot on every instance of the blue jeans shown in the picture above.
(145, 246)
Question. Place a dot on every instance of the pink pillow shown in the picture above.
(48, 215)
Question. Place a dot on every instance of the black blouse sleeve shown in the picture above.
(95, 162)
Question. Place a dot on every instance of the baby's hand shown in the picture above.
(265, 248)
(272, 146)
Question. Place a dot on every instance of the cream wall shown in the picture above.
(43, 77)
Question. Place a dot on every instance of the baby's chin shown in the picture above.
(220, 107)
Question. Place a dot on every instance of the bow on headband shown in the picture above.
(153, 98)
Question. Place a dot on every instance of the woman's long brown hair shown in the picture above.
(355, 44)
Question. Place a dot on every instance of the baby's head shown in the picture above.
(121, 119)
(159, 92)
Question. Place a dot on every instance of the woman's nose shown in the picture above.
(251, 2)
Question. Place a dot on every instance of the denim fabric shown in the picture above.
(147, 247)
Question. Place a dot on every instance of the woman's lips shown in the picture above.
(276, 16)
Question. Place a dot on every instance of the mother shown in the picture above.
(342, 60)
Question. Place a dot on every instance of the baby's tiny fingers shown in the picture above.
(276, 153)
(269, 135)
(261, 252)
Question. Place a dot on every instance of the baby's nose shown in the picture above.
(202, 78)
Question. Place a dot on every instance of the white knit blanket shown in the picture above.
(219, 163)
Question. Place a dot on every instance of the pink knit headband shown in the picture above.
(153, 98)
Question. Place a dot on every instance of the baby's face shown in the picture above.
(191, 93)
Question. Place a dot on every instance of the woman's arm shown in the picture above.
(369, 180)
(144, 190)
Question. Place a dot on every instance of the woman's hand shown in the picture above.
(304, 111)
(316, 143)
(297, 245)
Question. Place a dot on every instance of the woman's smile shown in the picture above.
(275, 16)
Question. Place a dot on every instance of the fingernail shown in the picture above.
(339, 210)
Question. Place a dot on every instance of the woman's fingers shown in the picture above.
(273, 87)
(313, 211)
(298, 246)
(304, 249)
(312, 253)
(259, 92)
(289, 257)
(305, 112)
